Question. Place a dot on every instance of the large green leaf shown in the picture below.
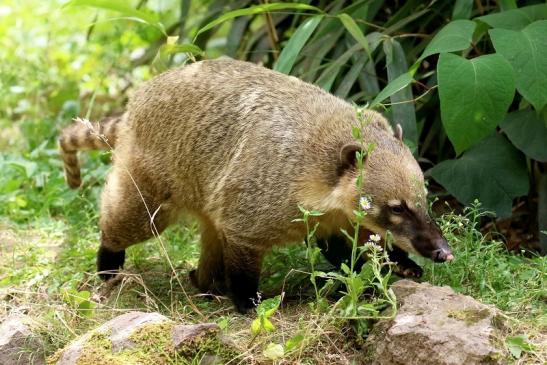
(516, 19)
(526, 50)
(291, 51)
(256, 9)
(493, 171)
(402, 108)
(475, 95)
(454, 36)
(120, 6)
(528, 131)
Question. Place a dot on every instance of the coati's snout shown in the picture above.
(412, 230)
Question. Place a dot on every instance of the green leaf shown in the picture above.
(526, 51)
(455, 36)
(355, 32)
(507, 4)
(268, 325)
(351, 77)
(475, 95)
(291, 51)
(293, 342)
(256, 9)
(462, 9)
(328, 76)
(120, 6)
(273, 351)
(516, 19)
(268, 306)
(398, 84)
(528, 132)
(517, 345)
(493, 171)
(402, 110)
(256, 327)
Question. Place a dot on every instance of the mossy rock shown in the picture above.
(146, 338)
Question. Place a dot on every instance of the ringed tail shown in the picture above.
(79, 136)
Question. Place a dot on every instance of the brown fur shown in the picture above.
(240, 147)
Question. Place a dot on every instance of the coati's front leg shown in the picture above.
(337, 250)
(405, 267)
(242, 265)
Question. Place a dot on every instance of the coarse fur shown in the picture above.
(241, 147)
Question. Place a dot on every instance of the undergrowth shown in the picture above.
(47, 270)
(49, 235)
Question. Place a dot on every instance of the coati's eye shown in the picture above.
(397, 209)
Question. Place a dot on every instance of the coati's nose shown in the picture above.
(443, 253)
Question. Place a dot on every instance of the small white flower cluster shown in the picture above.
(372, 246)
(365, 203)
(373, 243)
(375, 237)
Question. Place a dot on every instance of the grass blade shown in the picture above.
(397, 84)
(256, 9)
(402, 108)
(329, 75)
(291, 51)
(355, 32)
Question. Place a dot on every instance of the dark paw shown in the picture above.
(245, 306)
(409, 272)
(109, 262)
(193, 278)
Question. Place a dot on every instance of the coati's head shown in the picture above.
(393, 192)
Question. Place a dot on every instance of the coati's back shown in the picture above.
(224, 125)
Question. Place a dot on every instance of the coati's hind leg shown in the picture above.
(242, 264)
(126, 220)
(209, 276)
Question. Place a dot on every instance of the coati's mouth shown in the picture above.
(442, 255)
(436, 249)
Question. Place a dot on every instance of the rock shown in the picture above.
(18, 345)
(144, 338)
(118, 331)
(435, 325)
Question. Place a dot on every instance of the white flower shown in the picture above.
(364, 202)
(375, 237)
(371, 246)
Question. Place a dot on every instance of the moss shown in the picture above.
(470, 316)
(152, 345)
(98, 350)
(206, 343)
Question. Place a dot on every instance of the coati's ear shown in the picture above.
(348, 154)
(398, 133)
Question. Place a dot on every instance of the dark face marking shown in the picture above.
(422, 232)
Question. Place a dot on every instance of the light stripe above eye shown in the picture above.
(393, 202)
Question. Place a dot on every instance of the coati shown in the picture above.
(241, 147)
